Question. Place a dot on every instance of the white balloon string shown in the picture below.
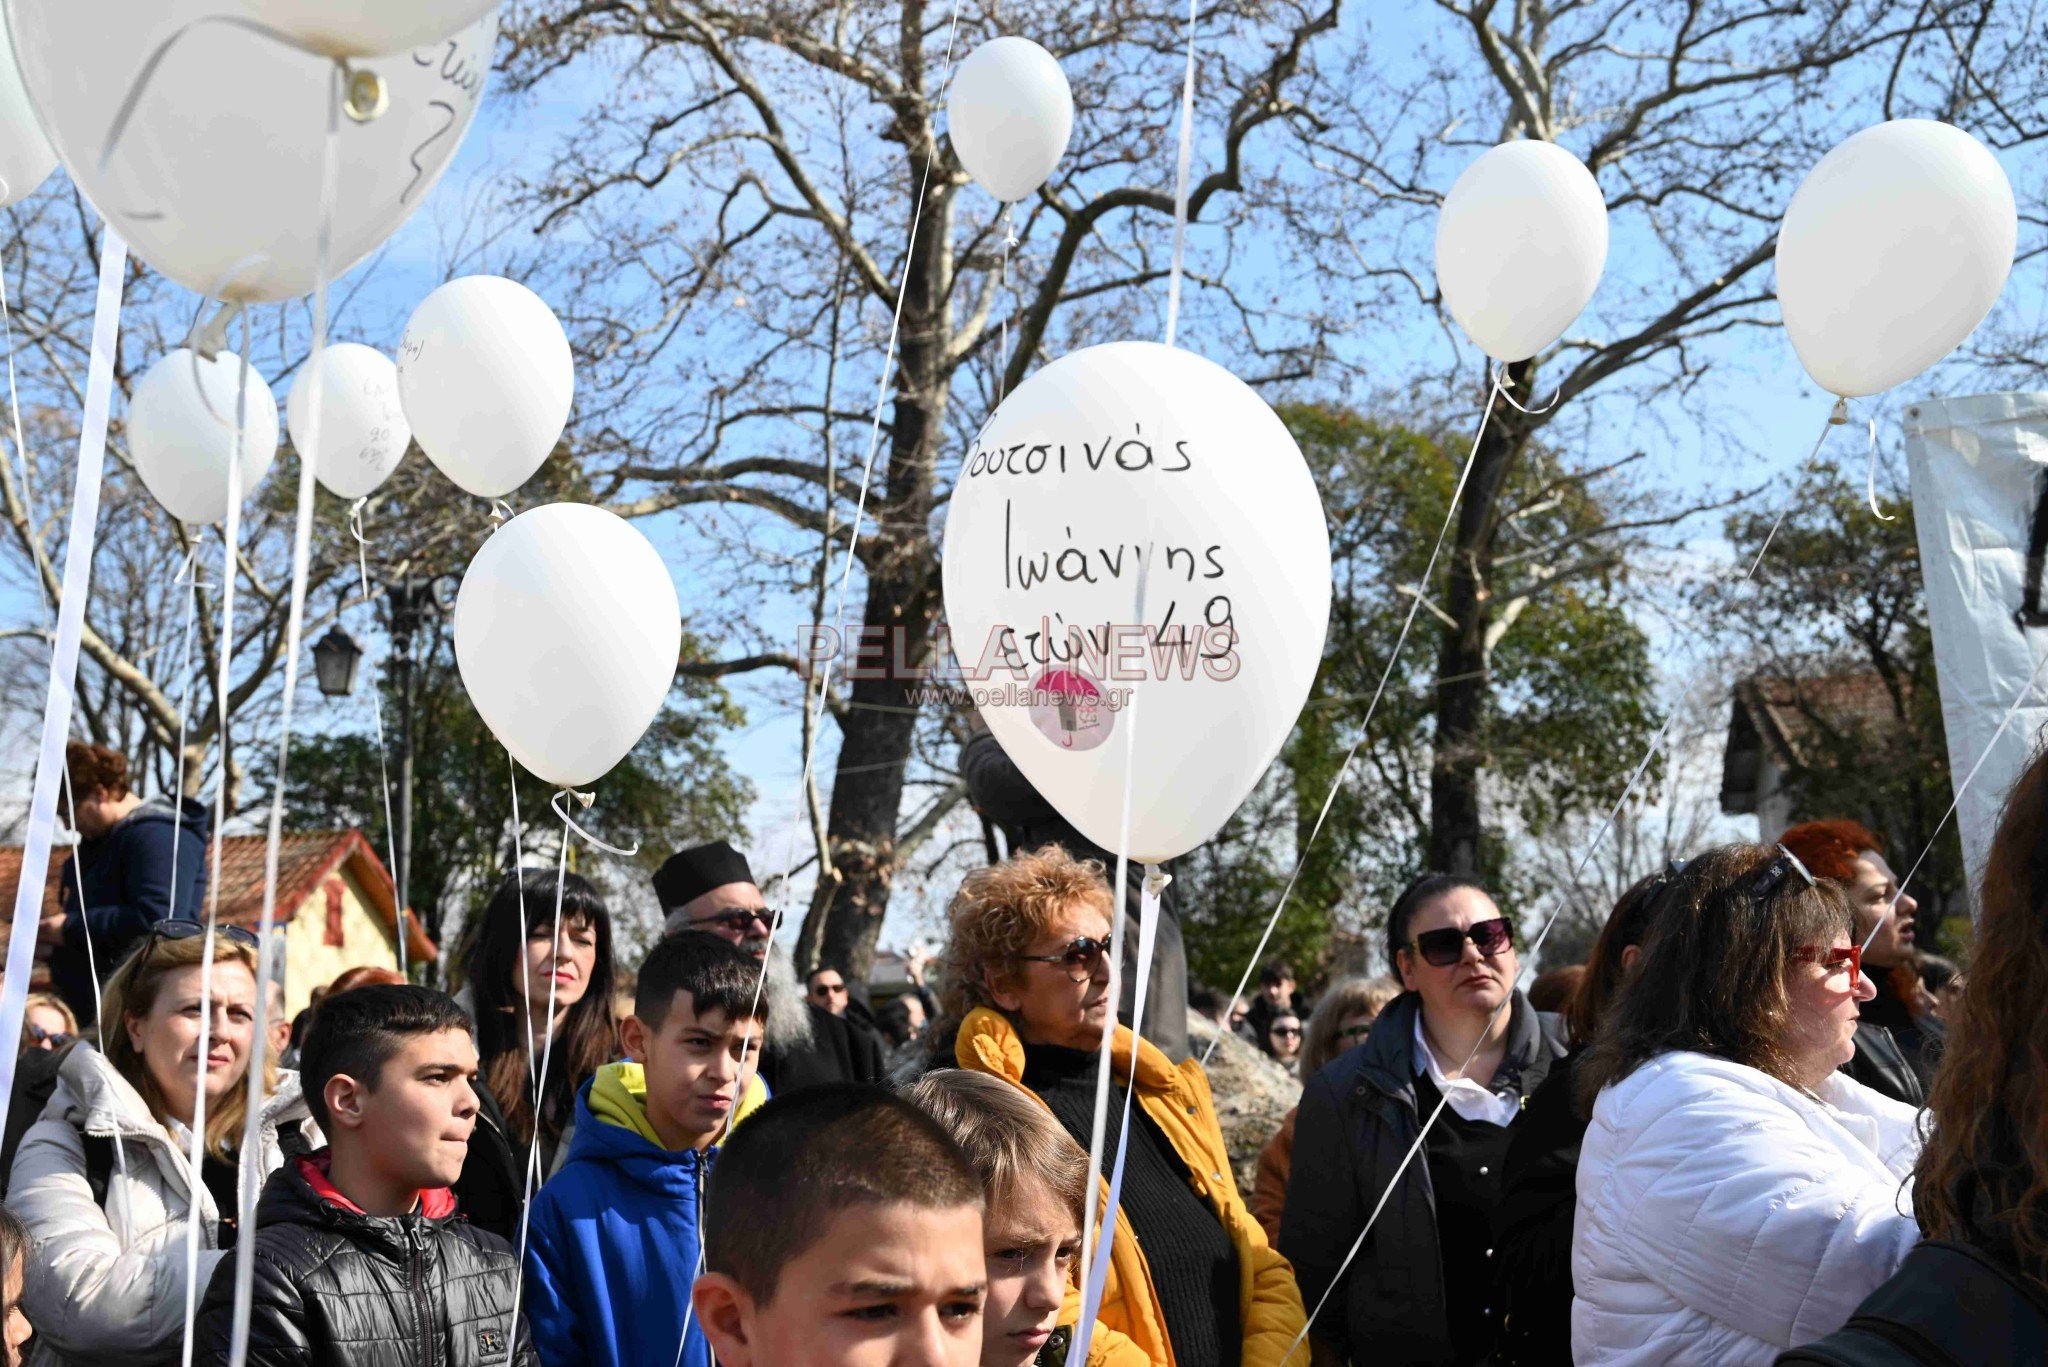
(230, 538)
(28, 502)
(584, 800)
(1091, 1296)
(99, 1010)
(188, 575)
(249, 1170)
(2011, 711)
(519, 890)
(1599, 838)
(1499, 371)
(376, 699)
(1104, 1059)
(531, 1183)
(1871, 476)
(1417, 593)
(867, 473)
(1183, 160)
(85, 512)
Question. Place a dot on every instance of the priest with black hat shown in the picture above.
(711, 888)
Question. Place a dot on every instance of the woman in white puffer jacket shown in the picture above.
(106, 1282)
(1736, 1195)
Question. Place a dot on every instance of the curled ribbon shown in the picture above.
(584, 800)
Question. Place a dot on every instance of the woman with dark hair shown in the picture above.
(1539, 1191)
(527, 986)
(1462, 1044)
(1737, 1194)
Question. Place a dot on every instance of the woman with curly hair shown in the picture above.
(1191, 1278)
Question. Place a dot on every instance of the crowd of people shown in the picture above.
(1759, 1126)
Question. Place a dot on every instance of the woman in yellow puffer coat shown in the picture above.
(1192, 1281)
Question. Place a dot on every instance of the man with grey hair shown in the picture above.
(711, 888)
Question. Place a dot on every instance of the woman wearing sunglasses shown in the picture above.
(1191, 1279)
(517, 970)
(1737, 1195)
(1342, 1019)
(1461, 1043)
(104, 1181)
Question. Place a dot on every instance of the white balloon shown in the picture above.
(215, 177)
(363, 431)
(567, 632)
(26, 157)
(487, 379)
(1521, 241)
(1010, 113)
(368, 28)
(1104, 452)
(1894, 248)
(181, 433)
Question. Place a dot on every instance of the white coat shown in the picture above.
(1724, 1216)
(108, 1285)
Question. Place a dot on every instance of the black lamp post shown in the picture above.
(335, 657)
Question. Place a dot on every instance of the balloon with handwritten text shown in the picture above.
(1115, 462)
(367, 28)
(363, 432)
(202, 142)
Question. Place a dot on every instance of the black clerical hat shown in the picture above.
(693, 872)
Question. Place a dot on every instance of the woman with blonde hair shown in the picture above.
(104, 1180)
(1191, 1279)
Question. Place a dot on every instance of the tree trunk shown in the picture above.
(1463, 685)
(903, 602)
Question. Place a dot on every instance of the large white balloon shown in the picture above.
(1894, 248)
(26, 157)
(1010, 113)
(214, 177)
(567, 632)
(181, 433)
(487, 380)
(1521, 241)
(1100, 455)
(368, 28)
(363, 431)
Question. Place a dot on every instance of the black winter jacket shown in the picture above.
(1533, 1233)
(1948, 1305)
(1881, 1065)
(1357, 1121)
(335, 1286)
(132, 881)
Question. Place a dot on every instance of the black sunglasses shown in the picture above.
(186, 930)
(740, 921)
(1080, 957)
(1287, 1031)
(1442, 948)
(1773, 874)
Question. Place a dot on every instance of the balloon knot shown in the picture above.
(501, 513)
(1840, 416)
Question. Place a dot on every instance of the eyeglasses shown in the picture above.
(1352, 1032)
(1831, 959)
(1766, 883)
(740, 920)
(1286, 1031)
(830, 989)
(1081, 957)
(1442, 948)
(56, 1039)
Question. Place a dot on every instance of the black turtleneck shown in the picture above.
(1191, 1257)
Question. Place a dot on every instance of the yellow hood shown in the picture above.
(618, 1096)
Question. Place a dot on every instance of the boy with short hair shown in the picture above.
(842, 1229)
(613, 1241)
(359, 1251)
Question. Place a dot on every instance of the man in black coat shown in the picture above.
(139, 862)
(361, 1258)
(711, 888)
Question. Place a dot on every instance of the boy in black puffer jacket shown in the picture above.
(360, 1256)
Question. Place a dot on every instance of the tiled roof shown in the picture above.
(304, 860)
(1779, 718)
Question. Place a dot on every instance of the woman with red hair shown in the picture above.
(1900, 1039)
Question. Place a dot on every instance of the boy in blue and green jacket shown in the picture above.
(615, 1239)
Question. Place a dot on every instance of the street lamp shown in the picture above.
(335, 657)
